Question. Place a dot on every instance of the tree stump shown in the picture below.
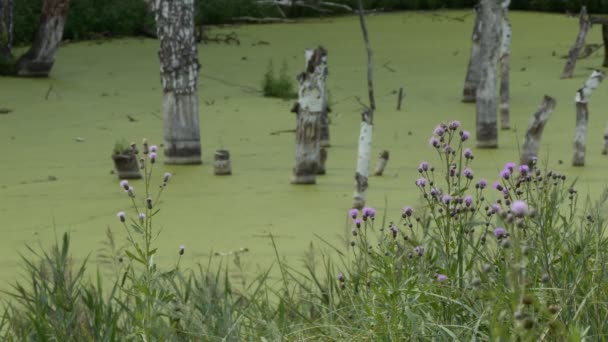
(486, 118)
(126, 165)
(529, 150)
(322, 159)
(505, 69)
(179, 69)
(310, 106)
(584, 26)
(473, 70)
(39, 59)
(582, 117)
(221, 163)
(381, 163)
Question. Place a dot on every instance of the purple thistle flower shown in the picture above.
(454, 125)
(447, 149)
(421, 182)
(468, 173)
(369, 212)
(519, 208)
(358, 222)
(153, 148)
(419, 250)
(424, 166)
(434, 192)
(167, 177)
(442, 277)
(498, 186)
(131, 191)
(152, 157)
(464, 135)
(121, 216)
(142, 217)
(467, 153)
(408, 211)
(353, 213)
(500, 232)
(495, 207)
(446, 199)
(439, 130)
(483, 183)
(394, 230)
(468, 200)
(505, 173)
(182, 249)
(434, 142)
(524, 170)
(452, 172)
(510, 166)
(124, 184)
(341, 277)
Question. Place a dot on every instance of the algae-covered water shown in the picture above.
(65, 127)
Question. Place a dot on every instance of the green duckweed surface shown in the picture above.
(96, 85)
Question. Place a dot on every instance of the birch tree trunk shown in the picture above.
(473, 70)
(486, 119)
(584, 26)
(310, 107)
(6, 30)
(505, 68)
(582, 116)
(39, 59)
(529, 150)
(179, 68)
(364, 150)
(382, 163)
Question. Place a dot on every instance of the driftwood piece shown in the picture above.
(367, 124)
(529, 150)
(579, 43)
(486, 116)
(605, 149)
(179, 68)
(505, 68)
(582, 117)
(311, 104)
(382, 163)
(473, 70)
(221, 163)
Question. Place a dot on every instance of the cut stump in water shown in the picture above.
(473, 71)
(582, 117)
(126, 165)
(221, 163)
(381, 163)
(535, 130)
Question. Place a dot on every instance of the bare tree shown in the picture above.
(582, 116)
(364, 150)
(179, 69)
(309, 109)
(529, 150)
(473, 70)
(505, 67)
(584, 26)
(486, 120)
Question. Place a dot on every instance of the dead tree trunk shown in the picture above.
(179, 68)
(582, 116)
(486, 127)
(605, 38)
(6, 31)
(505, 68)
(529, 150)
(584, 26)
(39, 59)
(364, 149)
(310, 107)
(382, 163)
(473, 71)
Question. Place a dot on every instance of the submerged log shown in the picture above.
(381, 163)
(486, 116)
(311, 104)
(579, 43)
(179, 69)
(529, 150)
(473, 70)
(221, 163)
(39, 59)
(582, 117)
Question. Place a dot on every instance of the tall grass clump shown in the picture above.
(280, 86)
(521, 257)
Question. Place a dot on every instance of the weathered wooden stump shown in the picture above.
(579, 43)
(381, 163)
(310, 106)
(179, 69)
(221, 163)
(582, 117)
(486, 116)
(322, 159)
(126, 165)
(529, 150)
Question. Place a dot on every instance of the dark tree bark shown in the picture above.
(486, 118)
(179, 69)
(39, 59)
(310, 106)
(584, 26)
(473, 70)
(582, 117)
(6, 31)
(529, 150)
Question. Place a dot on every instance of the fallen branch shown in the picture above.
(264, 20)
